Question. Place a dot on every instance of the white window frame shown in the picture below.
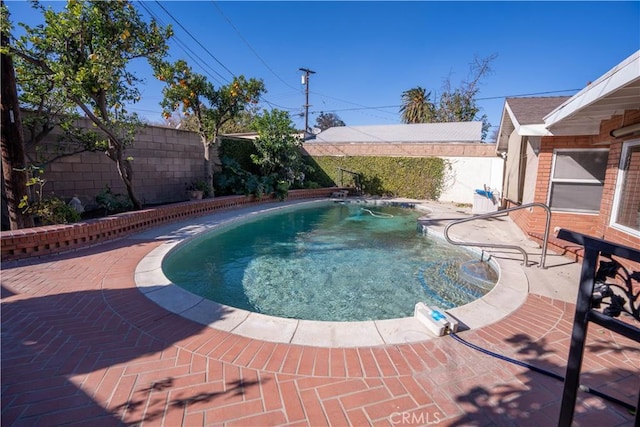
(569, 181)
(626, 146)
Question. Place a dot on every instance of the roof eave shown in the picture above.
(508, 124)
(625, 73)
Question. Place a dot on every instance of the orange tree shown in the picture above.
(209, 107)
(83, 53)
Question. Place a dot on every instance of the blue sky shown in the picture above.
(365, 54)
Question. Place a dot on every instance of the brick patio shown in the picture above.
(81, 345)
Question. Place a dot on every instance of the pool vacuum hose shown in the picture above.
(441, 319)
(378, 214)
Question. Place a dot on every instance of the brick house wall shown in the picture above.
(596, 225)
(629, 215)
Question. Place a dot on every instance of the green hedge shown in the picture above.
(240, 150)
(411, 177)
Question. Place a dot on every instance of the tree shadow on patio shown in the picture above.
(154, 397)
(533, 398)
(66, 357)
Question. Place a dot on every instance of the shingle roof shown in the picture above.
(530, 111)
(428, 132)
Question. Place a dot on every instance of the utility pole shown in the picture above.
(305, 81)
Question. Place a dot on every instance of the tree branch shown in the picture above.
(112, 136)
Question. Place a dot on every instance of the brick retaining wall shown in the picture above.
(52, 239)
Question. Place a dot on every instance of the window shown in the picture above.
(577, 179)
(626, 203)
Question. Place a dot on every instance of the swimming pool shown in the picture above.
(336, 261)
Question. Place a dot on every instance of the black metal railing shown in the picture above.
(609, 288)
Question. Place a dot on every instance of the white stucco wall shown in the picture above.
(471, 173)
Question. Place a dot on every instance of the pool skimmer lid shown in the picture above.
(435, 319)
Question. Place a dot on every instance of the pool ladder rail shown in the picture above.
(502, 212)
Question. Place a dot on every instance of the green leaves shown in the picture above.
(327, 120)
(84, 51)
(453, 105)
(417, 106)
(195, 96)
(413, 177)
(79, 60)
(278, 147)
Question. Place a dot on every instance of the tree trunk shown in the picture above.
(125, 171)
(13, 156)
(126, 174)
(208, 166)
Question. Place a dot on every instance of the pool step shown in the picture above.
(478, 273)
(451, 281)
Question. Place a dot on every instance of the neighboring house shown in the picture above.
(474, 165)
(461, 132)
(579, 155)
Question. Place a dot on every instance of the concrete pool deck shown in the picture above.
(83, 344)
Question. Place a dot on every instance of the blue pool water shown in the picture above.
(337, 262)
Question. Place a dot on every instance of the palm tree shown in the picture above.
(417, 106)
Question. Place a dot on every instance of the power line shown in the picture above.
(476, 99)
(271, 104)
(354, 103)
(198, 60)
(184, 47)
(198, 42)
(358, 108)
(215, 3)
(362, 109)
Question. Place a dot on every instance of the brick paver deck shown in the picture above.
(82, 346)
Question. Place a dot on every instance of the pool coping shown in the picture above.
(508, 294)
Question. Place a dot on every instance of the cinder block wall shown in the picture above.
(165, 160)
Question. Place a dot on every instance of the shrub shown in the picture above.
(112, 202)
(414, 177)
(240, 151)
(233, 179)
(46, 211)
(281, 190)
(52, 210)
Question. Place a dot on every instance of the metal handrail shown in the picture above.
(357, 175)
(502, 246)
